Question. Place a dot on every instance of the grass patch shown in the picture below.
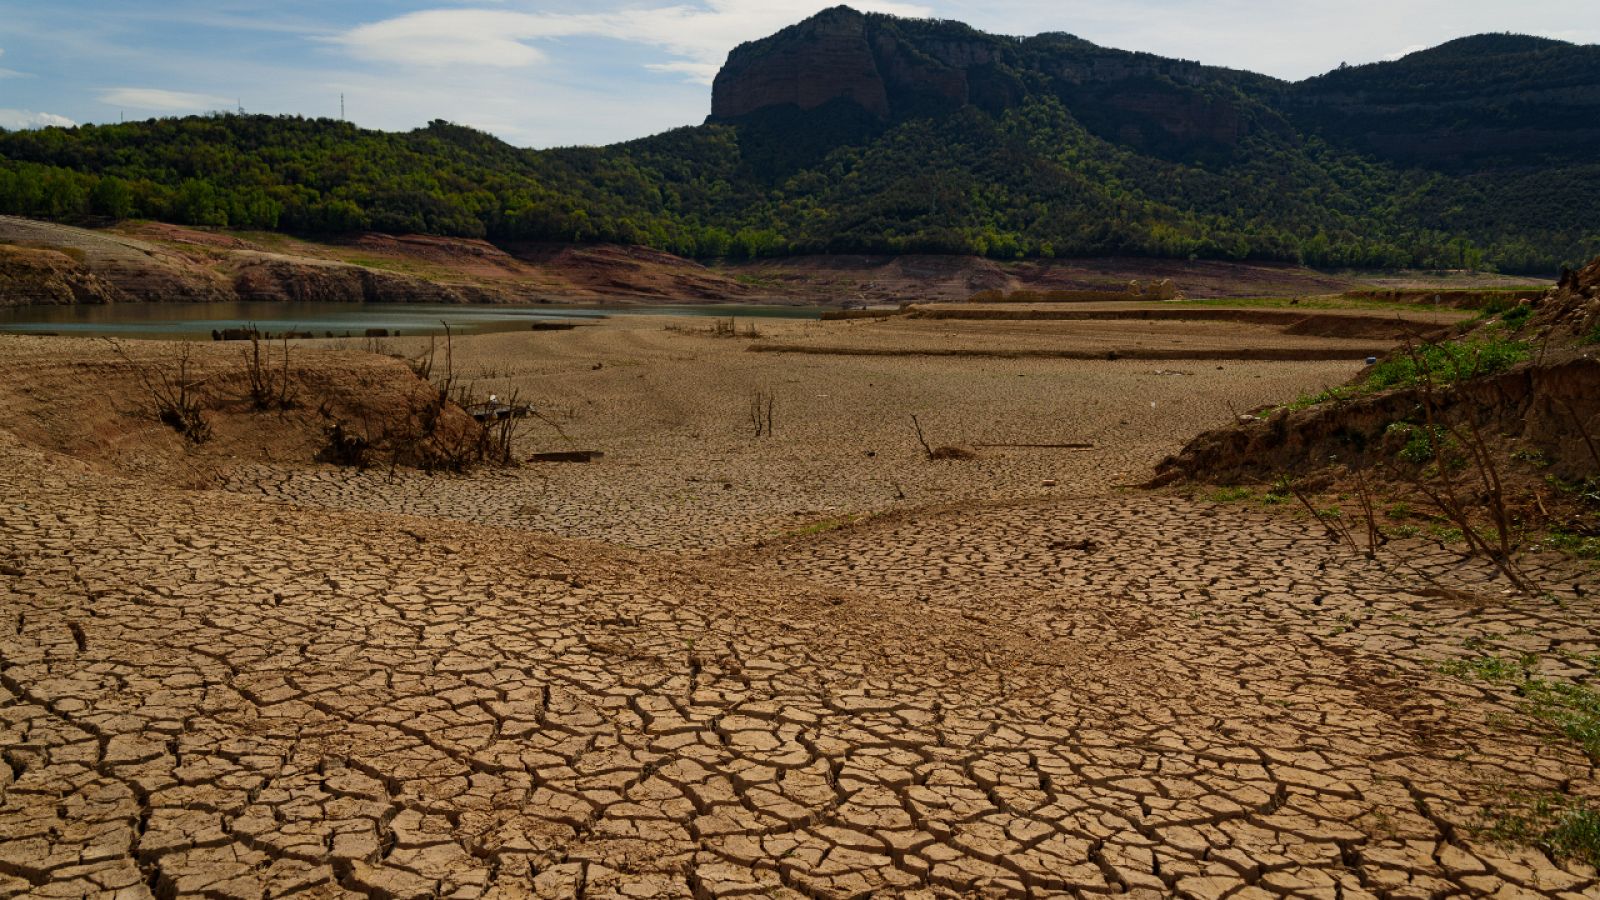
(822, 526)
(1511, 313)
(1570, 708)
(1322, 302)
(1422, 444)
(1306, 401)
(1230, 495)
(1583, 546)
(1563, 827)
(1446, 363)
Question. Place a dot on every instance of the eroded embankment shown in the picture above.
(1260, 354)
(1545, 409)
(1390, 326)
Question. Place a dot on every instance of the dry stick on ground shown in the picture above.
(1584, 432)
(1338, 531)
(1446, 497)
(761, 413)
(920, 439)
(501, 435)
(268, 389)
(286, 398)
(422, 366)
(174, 394)
(1368, 514)
(939, 452)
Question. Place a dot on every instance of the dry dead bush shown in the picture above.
(173, 391)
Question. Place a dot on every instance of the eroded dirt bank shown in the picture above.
(44, 262)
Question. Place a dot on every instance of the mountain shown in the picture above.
(1490, 101)
(897, 69)
(854, 132)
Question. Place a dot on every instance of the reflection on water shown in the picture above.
(198, 320)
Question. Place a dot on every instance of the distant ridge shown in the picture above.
(854, 132)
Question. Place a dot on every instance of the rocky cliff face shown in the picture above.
(894, 68)
(824, 58)
(1489, 100)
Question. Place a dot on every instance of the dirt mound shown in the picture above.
(30, 275)
(1570, 314)
(99, 409)
(1539, 407)
(609, 271)
(1545, 403)
(279, 279)
(138, 270)
(463, 255)
(181, 235)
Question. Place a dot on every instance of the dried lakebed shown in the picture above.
(294, 685)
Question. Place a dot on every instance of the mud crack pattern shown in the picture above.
(209, 696)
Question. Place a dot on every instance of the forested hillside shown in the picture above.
(964, 143)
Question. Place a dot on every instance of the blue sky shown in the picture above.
(556, 73)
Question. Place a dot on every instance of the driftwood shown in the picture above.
(571, 456)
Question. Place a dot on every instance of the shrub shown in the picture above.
(1446, 363)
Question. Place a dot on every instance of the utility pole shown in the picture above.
(341, 107)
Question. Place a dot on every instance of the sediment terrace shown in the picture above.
(815, 664)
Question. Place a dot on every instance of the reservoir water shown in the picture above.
(198, 320)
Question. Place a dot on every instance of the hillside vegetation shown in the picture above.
(973, 143)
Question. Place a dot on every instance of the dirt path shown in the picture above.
(206, 693)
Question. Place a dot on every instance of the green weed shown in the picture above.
(1583, 546)
(1568, 707)
(1564, 827)
(1446, 363)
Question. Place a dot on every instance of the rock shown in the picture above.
(894, 68)
(30, 276)
(826, 57)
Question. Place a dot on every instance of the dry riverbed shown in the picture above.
(811, 663)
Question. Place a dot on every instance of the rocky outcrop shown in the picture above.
(287, 280)
(128, 269)
(33, 276)
(893, 68)
(824, 58)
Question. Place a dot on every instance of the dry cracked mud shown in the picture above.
(291, 686)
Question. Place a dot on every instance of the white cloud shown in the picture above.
(700, 35)
(441, 37)
(1400, 54)
(156, 100)
(17, 119)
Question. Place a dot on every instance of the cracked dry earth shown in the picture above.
(206, 694)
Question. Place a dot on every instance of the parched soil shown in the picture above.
(711, 664)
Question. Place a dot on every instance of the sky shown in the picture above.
(542, 74)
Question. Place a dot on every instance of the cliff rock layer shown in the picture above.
(823, 58)
(1489, 100)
